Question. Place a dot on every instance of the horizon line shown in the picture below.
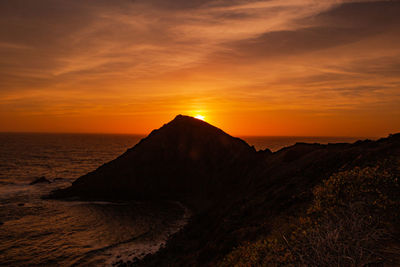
(146, 134)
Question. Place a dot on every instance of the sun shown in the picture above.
(200, 117)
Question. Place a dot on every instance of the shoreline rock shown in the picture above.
(40, 180)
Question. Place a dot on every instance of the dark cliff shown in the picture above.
(187, 160)
(235, 191)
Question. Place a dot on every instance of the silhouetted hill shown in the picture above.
(187, 160)
(237, 193)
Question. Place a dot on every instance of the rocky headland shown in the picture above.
(238, 195)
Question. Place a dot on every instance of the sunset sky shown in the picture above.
(289, 67)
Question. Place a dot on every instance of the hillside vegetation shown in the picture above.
(353, 221)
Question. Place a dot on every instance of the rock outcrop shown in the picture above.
(40, 180)
(235, 191)
(187, 160)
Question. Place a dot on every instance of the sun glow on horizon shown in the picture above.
(200, 117)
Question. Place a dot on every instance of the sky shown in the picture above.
(250, 67)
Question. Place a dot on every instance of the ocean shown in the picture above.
(53, 232)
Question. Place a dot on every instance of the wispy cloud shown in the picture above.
(57, 55)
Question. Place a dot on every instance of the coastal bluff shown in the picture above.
(237, 193)
(186, 159)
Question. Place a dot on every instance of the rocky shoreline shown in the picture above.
(235, 192)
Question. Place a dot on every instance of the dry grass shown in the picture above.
(351, 237)
(353, 221)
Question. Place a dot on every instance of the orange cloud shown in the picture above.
(296, 67)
